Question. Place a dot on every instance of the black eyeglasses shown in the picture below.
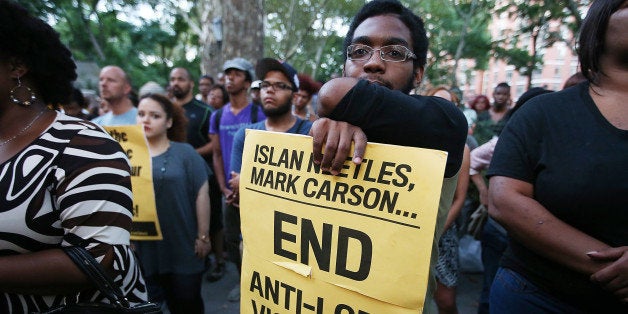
(390, 53)
(275, 86)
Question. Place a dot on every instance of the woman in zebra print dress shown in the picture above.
(63, 181)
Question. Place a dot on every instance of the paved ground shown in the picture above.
(215, 293)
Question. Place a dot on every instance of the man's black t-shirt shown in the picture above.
(198, 114)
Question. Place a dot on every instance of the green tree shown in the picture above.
(307, 33)
(104, 32)
(457, 29)
(535, 31)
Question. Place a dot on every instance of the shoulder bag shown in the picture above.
(476, 222)
(95, 273)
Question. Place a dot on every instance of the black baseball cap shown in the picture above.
(266, 65)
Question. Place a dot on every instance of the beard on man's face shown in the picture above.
(277, 111)
(179, 92)
(409, 85)
(406, 88)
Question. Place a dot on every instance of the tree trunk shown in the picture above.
(211, 56)
(462, 42)
(92, 39)
(532, 67)
(243, 30)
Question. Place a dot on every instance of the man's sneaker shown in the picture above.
(216, 273)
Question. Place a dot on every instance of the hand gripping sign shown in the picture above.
(357, 242)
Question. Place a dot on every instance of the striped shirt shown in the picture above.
(70, 186)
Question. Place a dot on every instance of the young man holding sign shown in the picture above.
(385, 55)
(277, 88)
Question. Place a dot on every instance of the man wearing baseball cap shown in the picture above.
(223, 125)
(255, 97)
(278, 84)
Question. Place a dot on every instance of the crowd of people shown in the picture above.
(549, 166)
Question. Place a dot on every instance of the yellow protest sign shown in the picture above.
(358, 242)
(145, 223)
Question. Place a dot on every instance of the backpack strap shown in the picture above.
(217, 118)
(299, 126)
(254, 113)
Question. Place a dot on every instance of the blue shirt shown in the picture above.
(299, 127)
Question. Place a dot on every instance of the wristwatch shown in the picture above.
(204, 238)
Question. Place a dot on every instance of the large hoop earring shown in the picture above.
(30, 99)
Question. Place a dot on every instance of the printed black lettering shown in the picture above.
(356, 191)
(271, 290)
(367, 172)
(283, 159)
(388, 201)
(291, 184)
(306, 191)
(256, 284)
(321, 250)
(281, 179)
(255, 310)
(322, 247)
(366, 254)
(270, 157)
(312, 167)
(340, 189)
(276, 181)
(257, 177)
(343, 309)
(297, 160)
(269, 180)
(345, 166)
(373, 200)
(385, 173)
(400, 171)
(118, 136)
(263, 157)
(280, 235)
(356, 171)
(324, 190)
(289, 290)
(136, 171)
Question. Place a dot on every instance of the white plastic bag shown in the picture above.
(470, 255)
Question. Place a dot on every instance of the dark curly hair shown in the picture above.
(474, 102)
(592, 35)
(177, 132)
(307, 84)
(225, 95)
(411, 20)
(27, 40)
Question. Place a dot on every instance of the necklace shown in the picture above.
(28, 126)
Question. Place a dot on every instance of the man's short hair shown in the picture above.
(413, 22)
(208, 77)
(503, 84)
